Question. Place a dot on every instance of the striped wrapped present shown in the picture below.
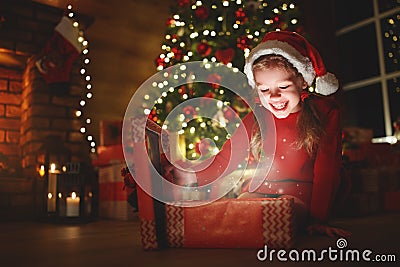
(227, 223)
(232, 223)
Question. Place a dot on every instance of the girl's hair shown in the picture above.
(308, 123)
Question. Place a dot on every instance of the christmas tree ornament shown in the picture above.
(243, 42)
(160, 62)
(241, 16)
(178, 53)
(170, 21)
(183, 3)
(225, 55)
(204, 49)
(202, 12)
(189, 112)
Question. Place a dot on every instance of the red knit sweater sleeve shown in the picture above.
(234, 152)
(327, 164)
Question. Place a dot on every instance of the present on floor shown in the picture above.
(113, 198)
(225, 223)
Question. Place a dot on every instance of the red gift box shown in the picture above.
(228, 223)
(113, 202)
(109, 155)
(232, 223)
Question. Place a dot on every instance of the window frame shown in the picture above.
(383, 76)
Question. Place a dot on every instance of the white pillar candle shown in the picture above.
(73, 205)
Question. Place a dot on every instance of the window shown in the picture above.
(369, 52)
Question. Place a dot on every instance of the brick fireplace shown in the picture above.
(31, 111)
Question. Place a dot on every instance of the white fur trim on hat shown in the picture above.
(301, 63)
(326, 84)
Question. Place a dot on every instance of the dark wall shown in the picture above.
(319, 24)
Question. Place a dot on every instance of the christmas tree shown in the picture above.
(222, 31)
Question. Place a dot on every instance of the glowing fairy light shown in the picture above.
(83, 71)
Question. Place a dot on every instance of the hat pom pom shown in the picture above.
(326, 84)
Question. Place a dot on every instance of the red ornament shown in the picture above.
(182, 90)
(203, 49)
(183, 3)
(170, 21)
(243, 42)
(202, 13)
(160, 62)
(214, 80)
(189, 111)
(205, 100)
(241, 16)
(225, 55)
(174, 36)
(177, 53)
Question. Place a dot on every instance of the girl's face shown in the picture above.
(279, 90)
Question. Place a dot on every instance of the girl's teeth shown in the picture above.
(279, 106)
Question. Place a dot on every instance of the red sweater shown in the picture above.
(313, 179)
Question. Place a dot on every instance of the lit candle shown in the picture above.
(52, 168)
(42, 171)
(73, 205)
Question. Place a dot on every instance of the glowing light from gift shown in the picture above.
(49, 195)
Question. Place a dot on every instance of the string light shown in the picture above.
(87, 77)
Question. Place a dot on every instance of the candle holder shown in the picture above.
(67, 186)
(51, 160)
(75, 195)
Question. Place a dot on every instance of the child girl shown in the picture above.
(307, 161)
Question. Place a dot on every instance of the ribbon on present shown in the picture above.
(148, 234)
(279, 225)
(138, 127)
(175, 226)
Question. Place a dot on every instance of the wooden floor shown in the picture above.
(117, 243)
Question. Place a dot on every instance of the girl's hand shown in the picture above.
(183, 177)
(179, 176)
(330, 231)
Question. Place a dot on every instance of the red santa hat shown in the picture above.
(300, 53)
